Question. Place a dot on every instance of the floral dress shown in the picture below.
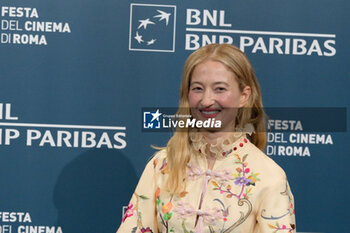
(245, 192)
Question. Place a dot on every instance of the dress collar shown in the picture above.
(223, 147)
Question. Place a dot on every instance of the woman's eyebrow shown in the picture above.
(218, 83)
(196, 82)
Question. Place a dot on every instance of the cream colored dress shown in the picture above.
(245, 192)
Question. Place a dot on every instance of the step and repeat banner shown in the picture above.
(75, 76)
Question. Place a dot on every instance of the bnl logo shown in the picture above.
(151, 120)
(152, 27)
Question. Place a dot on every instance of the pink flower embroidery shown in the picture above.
(143, 230)
(129, 212)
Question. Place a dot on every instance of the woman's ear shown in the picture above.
(244, 96)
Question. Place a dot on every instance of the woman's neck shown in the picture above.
(212, 137)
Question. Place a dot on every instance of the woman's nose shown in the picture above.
(208, 98)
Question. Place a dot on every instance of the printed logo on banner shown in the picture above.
(152, 27)
(151, 120)
(57, 135)
(207, 26)
(168, 119)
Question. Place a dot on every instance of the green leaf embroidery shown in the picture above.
(244, 157)
(144, 197)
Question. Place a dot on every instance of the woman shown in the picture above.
(214, 180)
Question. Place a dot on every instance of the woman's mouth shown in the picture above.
(209, 113)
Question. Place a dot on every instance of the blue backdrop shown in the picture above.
(76, 74)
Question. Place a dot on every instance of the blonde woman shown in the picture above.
(214, 180)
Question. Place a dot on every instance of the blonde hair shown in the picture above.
(178, 147)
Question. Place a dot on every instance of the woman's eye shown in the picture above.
(220, 89)
(196, 88)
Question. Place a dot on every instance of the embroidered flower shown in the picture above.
(167, 207)
(157, 192)
(129, 212)
(282, 228)
(241, 181)
(143, 230)
(164, 208)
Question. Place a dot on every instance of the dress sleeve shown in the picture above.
(140, 215)
(276, 213)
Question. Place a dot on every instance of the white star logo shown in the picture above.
(144, 23)
(138, 37)
(151, 42)
(156, 115)
(163, 15)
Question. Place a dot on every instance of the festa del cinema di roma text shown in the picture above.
(15, 31)
(9, 222)
(282, 143)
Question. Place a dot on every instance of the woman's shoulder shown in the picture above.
(158, 161)
(160, 154)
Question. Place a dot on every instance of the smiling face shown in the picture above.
(214, 93)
